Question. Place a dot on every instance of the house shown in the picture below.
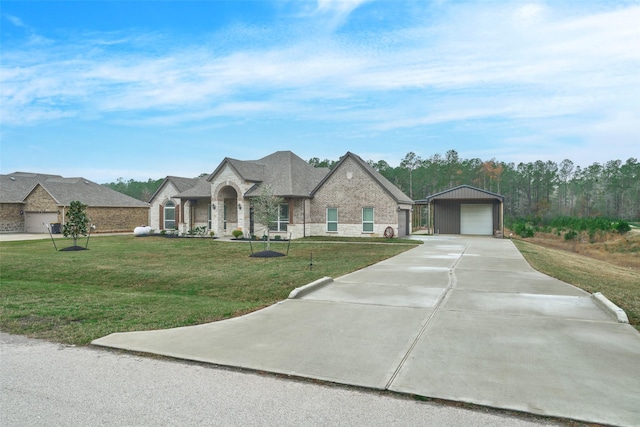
(463, 210)
(28, 201)
(353, 199)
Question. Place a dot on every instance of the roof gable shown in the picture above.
(287, 174)
(377, 177)
(247, 170)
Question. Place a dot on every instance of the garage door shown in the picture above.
(476, 219)
(35, 222)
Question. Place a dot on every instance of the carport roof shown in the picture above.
(462, 192)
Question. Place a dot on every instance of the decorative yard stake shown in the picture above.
(51, 235)
(92, 227)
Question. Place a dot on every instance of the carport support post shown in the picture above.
(502, 217)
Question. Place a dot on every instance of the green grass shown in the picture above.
(621, 285)
(124, 283)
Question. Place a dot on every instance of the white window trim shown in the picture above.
(372, 222)
(331, 222)
(164, 214)
(278, 223)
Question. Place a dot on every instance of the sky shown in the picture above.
(146, 89)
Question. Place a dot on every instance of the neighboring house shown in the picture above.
(463, 210)
(28, 201)
(353, 199)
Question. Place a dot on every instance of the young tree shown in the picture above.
(265, 209)
(410, 162)
(77, 221)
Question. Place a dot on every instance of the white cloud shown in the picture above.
(563, 73)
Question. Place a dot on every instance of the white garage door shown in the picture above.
(35, 222)
(476, 219)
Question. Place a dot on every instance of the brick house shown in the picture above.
(28, 201)
(353, 199)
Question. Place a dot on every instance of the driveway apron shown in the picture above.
(464, 319)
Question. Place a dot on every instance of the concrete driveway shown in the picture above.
(464, 319)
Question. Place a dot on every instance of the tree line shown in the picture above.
(540, 189)
(141, 190)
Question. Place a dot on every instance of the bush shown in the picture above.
(621, 226)
(277, 237)
(237, 233)
(570, 235)
(523, 229)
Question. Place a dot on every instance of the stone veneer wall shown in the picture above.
(154, 211)
(10, 218)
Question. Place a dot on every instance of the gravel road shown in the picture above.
(45, 384)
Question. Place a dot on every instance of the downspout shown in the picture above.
(304, 218)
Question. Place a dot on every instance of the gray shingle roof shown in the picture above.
(201, 189)
(181, 184)
(287, 174)
(15, 187)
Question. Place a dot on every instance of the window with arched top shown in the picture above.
(169, 215)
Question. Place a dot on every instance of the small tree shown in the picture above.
(265, 209)
(77, 221)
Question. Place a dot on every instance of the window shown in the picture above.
(169, 215)
(283, 218)
(332, 219)
(367, 220)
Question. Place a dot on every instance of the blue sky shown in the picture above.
(145, 89)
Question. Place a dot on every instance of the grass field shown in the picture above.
(124, 283)
(619, 284)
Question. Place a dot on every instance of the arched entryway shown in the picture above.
(227, 202)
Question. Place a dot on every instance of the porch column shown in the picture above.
(243, 216)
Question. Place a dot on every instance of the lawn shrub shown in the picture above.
(237, 233)
(621, 226)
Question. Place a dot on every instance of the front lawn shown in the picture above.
(126, 283)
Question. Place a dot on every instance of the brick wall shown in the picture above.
(110, 219)
(351, 188)
(40, 201)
